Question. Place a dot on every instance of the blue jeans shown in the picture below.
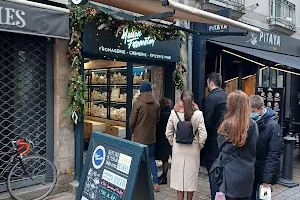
(153, 167)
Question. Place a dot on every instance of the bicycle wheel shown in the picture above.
(32, 179)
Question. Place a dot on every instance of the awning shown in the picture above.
(34, 18)
(182, 12)
(290, 61)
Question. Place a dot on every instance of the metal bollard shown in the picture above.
(286, 178)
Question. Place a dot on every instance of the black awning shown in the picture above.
(290, 61)
(26, 19)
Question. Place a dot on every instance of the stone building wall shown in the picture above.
(64, 148)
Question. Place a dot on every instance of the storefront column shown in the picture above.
(129, 99)
(199, 49)
(63, 128)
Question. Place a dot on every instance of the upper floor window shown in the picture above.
(283, 9)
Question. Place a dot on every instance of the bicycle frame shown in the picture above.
(15, 154)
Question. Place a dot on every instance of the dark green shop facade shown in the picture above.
(113, 67)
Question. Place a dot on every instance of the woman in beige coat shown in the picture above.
(186, 157)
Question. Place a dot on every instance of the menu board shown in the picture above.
(274, 99)
(107, 173)
(111, 169)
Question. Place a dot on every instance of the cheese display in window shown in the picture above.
(118, 78)
(118, 114)
(99, 111)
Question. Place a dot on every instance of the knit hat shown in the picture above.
(145, 87)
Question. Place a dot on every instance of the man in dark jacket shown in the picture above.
(267, 165)
(214, 109)
(144, 116)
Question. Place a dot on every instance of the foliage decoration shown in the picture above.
(81, 15)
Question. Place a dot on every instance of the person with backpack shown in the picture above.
(233, 170)
(267, 165)
(187, 134)
(214, 109)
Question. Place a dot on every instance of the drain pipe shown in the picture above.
(190, 58)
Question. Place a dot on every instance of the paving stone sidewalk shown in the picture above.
(203, 193)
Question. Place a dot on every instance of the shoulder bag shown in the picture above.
(216, 172)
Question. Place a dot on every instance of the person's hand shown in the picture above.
(266, 185)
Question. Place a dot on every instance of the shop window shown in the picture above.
(110, 93)
(265, 77)
(270, 78)
(280, 78)
(273, 77)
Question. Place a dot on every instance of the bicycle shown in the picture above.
(26, 180)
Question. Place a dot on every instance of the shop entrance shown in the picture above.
(113, 86)
(277, 84)
(23, 94)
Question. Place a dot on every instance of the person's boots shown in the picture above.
(162, 180)
(156, 187)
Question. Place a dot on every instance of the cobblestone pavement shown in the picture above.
(203, 193)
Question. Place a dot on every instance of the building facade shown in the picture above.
(241, 66)
(33, 71)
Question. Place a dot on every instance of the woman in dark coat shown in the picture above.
(162, 146)
(237, 142)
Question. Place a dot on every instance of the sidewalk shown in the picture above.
(203, 193)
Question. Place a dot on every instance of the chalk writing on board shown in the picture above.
(124, 163)
(112, 188)
(114, 179)
(107, 194)
(91, 184)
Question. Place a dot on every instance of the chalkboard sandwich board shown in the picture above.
(115, 169)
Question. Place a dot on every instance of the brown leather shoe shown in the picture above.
(156, 187)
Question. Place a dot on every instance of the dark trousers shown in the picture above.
(255, 195)
(213, 188)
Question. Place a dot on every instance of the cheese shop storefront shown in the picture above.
(115, 64)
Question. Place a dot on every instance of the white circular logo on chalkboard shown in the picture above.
(98, 157)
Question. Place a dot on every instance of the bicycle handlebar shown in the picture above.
(25, 146)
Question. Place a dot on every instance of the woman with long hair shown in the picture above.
(162, 146)
(186, 157)
(237, 138)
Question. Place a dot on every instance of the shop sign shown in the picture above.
(129, 44)
(20, 18)
(265, 40)
(114, 169)
(218, 28)
(135, 39)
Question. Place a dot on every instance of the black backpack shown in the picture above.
(184, 132)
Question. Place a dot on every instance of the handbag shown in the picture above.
(265, 193)
(220, 196)
(216, 172)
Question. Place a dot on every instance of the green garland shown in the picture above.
(81, 15)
